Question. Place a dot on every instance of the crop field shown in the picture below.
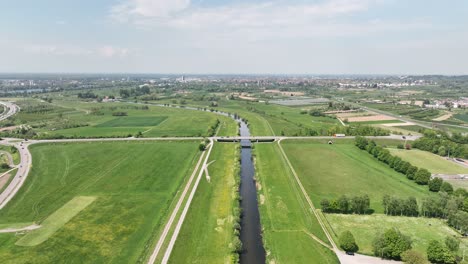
(289, 226)
(462, 117)
(414, 128)
(365, 227)
(207, 235)
(95, 202)
(432, 162)
(329, 171)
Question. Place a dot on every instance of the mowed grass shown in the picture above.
(55, 221)
(329, 171)
(365, 227)
(287, 221)
(134, 121)
(133, 182)
(429, 161)
(207, 234)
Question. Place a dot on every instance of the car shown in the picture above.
(403, 137)
(350, 253)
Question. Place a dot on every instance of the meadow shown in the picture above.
(432, 162)
(124, 190)
(207, 235)
(329, 171)
(289, 227)
(72, 118)
(365, 228)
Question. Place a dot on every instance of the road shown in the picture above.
(11, 109)
(21, 174)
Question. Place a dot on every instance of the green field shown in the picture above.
(207, 235)
(134, 121)
(328, 171)
(287, 221)
(55, 221)
(462, 117)
(72, 118)
(133, 182)
(365, 227)
(429, 161)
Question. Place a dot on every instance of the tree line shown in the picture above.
(442, 144)
(359, 204)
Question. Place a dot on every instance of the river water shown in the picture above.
(250, 234)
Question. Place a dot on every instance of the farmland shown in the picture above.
(366, 227)
(328, 171)
(120, 205)
(432, 162)
(289, 227)
(212, 215)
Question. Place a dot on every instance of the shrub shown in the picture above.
(347, 242)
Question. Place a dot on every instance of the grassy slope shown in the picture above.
(432, 162)
(365, 228)
(285, 216)
(207, 233)
(328, 171)
(134, 183)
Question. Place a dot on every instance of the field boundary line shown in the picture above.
(168, 226)
(307, 198)
(168, 252)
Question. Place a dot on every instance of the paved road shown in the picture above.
(11, 109)
(21, 174)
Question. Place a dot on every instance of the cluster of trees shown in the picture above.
(443, 253)
(212, 129)
(120, 114)
(420, 176)
(391, 244)
(347, 205)
(87, 95)
(443, 144)
(125, 93)
(397, 206)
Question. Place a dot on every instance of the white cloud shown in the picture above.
(110, 51)
(276, 19)
(106, 51)
(136, 9)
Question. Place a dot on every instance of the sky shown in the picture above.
(234, 37)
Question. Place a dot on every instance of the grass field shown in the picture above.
(430, 161)
(72, 118)
(365, 227)
(133, 182)
(55, 221)
(377, 122)
(286, 218)
(328, 171)
(207, 235)
(134, 121)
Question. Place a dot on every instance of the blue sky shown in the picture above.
(238, 36)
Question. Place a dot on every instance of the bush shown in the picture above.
(422, 177)
(434, 184)
(391, 244)
(413, 257)
(438, 253)
(446, 187)
(347, 242)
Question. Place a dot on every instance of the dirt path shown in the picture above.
(169, 223)
(168, 252)
(14, 230)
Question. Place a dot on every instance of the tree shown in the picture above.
(434, 184)
(438, 253)
(347, 242)
(325, 204)
(452, 244)
(411, 172)
(422, 176)
(391, 244)
(446, 187)
(343, 204)
(413, 257)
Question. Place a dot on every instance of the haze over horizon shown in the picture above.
(235, 37)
